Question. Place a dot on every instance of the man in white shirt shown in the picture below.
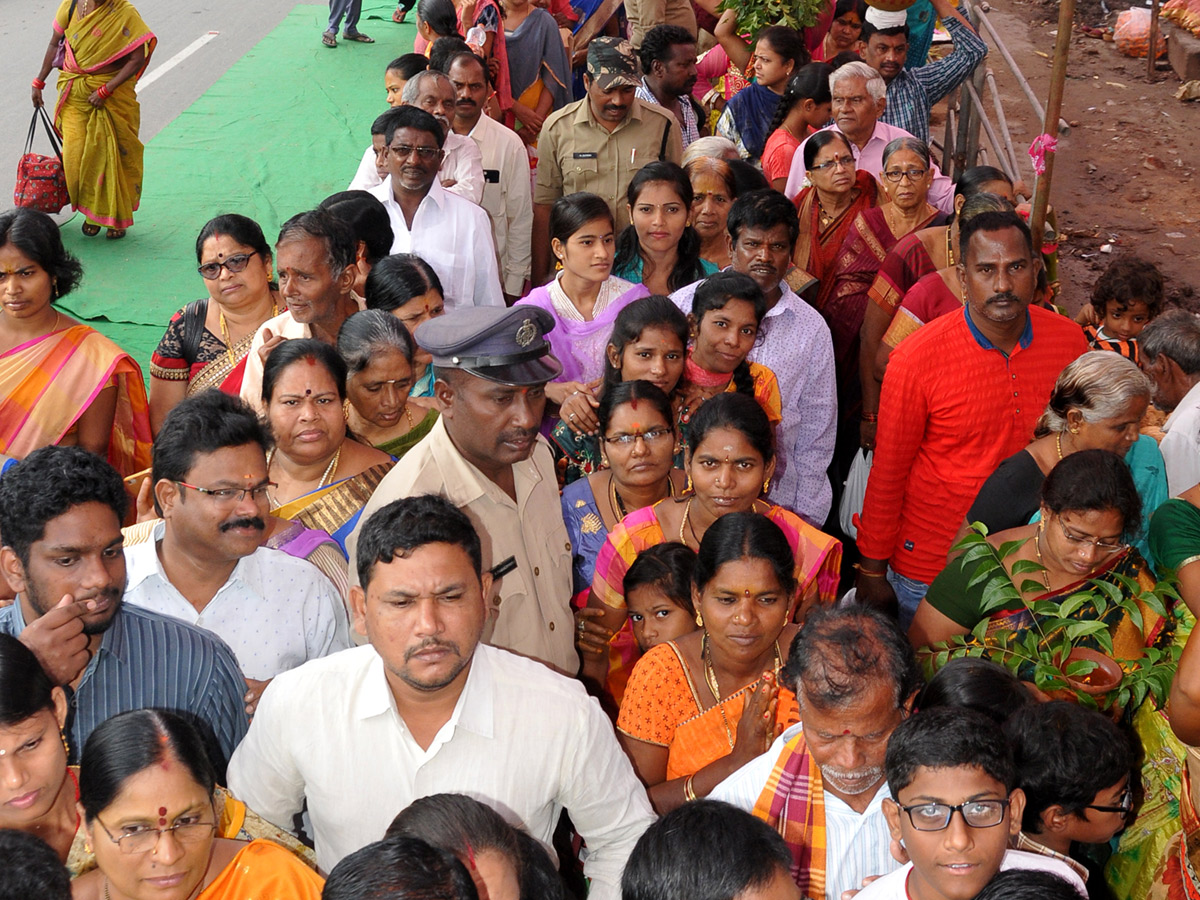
(462, 167)
(425, 709)
(859, 99)
(855, 676)
(793, 342)
(507, 192)
(451, 234)
(316, 257)
(205, 563)
(1170, 349)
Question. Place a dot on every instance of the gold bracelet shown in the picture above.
(869, 573)
(688, 793)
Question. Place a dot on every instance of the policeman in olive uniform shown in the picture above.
(485, 455)
(598, 143)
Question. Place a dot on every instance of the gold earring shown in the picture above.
(62, 734)
(766, 485)
(689, 484)
(346, 409)
(699, 620)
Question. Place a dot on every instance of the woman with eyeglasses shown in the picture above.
(206, 342)
(904, 208)
(147, 794)
(1089, 512)
(39, 790)
(835, 192)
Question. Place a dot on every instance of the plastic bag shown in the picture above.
(856, 490)
(1132, 34)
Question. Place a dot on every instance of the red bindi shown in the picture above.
(633, 402)
(162, 815)
(311, 360)
(847, 731)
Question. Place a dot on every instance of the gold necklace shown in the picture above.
(1058, 444)
(949, 248)
(329, 470)
(618, 505)
(710, 678)
(1037, 548)
(225, 330)
(684, 521)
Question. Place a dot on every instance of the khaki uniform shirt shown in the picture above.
(531, 612)
(576, 153)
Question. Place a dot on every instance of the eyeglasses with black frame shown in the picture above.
(231, 496)
(1102, 547)
(976, 813)
(1123, 809)
(913, 175)
(236, 263)
(146, 838)
(629, 440)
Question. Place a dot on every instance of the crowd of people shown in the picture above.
(491, 533)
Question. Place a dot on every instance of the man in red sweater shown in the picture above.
(960, 395)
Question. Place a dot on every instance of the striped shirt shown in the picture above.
(149, 660)
(913, 92)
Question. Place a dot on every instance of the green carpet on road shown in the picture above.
(282, 129)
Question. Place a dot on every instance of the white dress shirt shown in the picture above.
(275, 611)
(455, 237)
(521, 739)
(507, 198)
(857, 845)
(870, 158)
(895, 885)
(794, 343)
(462, 165)
(1180, 445)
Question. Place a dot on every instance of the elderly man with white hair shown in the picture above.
(859, 99)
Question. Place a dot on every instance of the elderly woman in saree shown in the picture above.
(105, 48)
(61, 382)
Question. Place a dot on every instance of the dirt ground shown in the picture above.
(1125, 175)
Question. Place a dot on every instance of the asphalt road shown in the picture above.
(25, 28)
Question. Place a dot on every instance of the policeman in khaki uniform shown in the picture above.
(485, 456)
(598, 143)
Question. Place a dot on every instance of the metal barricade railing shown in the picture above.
(968, 113)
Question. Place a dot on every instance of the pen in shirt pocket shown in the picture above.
(633, 157)
(503, 567)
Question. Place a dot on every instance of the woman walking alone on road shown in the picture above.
(106, 48)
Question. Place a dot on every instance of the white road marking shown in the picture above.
(175, 60)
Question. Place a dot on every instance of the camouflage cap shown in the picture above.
(612, 63)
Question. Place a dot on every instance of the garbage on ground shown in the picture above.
(1190, 90)
(1132, 34)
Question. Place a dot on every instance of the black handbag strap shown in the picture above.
(194, 315)
(40, 112)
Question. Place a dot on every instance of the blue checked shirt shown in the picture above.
(913, 92)
(149, 660)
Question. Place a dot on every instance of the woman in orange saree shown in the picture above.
(106, 48)
(61, 382)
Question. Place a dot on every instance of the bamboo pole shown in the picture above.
(1058, 78)
(1152, 50)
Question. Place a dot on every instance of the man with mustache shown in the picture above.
(793, 342)
(507, 197)
(204, 562)
(462, 166)
(598, 143)
(426, 709)
(855, 676)
(451, 234)
(486, 457)
(967, 394)
(61, 510)
(668, 55)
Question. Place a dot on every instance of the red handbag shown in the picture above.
(41, 182)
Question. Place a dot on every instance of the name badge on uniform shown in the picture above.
(491, 176)
(585, 155)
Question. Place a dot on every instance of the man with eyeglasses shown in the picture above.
(61, 510)
(855, 676)
(485, 456)
(204, 563)
(859, 100)
(453, 235)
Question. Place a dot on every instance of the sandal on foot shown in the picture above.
(115, 234)
(90, 230)
(398, 16)
(329, 39)
(357, 37)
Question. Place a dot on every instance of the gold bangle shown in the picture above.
(688, 793)
(869, 573)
